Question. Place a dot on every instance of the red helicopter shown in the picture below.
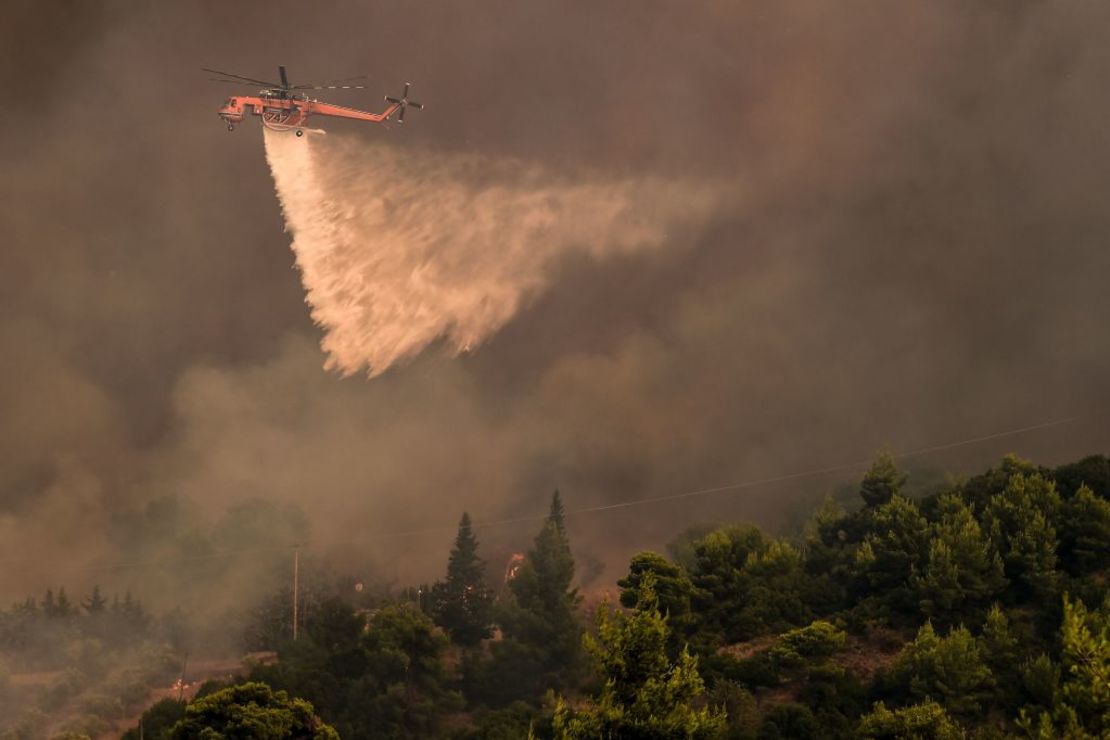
(283, 107)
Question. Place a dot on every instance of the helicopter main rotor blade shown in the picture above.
(284, 79)
(325, 83)
(241, 77)
(234, 82)
(329, 85)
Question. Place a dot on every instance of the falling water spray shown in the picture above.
(399, 249)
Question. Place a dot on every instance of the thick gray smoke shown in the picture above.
(399, 249)
(691, 244)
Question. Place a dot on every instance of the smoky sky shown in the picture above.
(914, 251)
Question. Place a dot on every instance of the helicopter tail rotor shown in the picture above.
(403, 103)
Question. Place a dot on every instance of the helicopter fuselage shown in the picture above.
(288, 111)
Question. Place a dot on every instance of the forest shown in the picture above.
(977, 608)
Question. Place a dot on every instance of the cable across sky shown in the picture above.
(627, 504)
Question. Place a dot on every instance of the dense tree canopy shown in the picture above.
(644, 693)
(251, 711)
(978, 609)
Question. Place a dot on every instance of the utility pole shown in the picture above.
(296, 585)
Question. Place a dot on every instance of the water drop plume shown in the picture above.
(399, 248)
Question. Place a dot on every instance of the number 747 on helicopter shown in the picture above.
(285, 107)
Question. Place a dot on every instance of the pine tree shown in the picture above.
(1021, 525)
(895, 546)
(64, 608)
(1085, 636)
(95, 603)
(963, 573)
(1083, 709)
(132, 613)
(1085, 533)
(557, 515)
(672, 585)
(947, 669)
(1000, 651)
(543, 612)
(644, 694)
(723, 582)
(463, 603)
(882, 482)
(999, 646)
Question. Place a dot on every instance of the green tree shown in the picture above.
(644, 693)
(1040, 682)
(402, 692)
(777, 587)
(463, 604)
(1085, 533)
(963, 573)
(543, 612)
(721, 580)
(882, 481)
(254, 711)
(1083, 706)
(335, 626)
(831, 538)
(1092, 472)
(812, 643)
(947, 669)
(672, 585)
(980, 489)
(1001, 652)
(748, 585)
(403, 646)
(894, 548)
(1021, 526)
(673, 588)
(925, 721)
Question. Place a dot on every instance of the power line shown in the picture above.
(800, 475)
(844, 467)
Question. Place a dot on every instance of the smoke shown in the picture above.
(400, 248)
(697, 244)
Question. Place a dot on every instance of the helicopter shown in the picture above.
(284, 107)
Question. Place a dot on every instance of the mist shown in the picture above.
(621, 255)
